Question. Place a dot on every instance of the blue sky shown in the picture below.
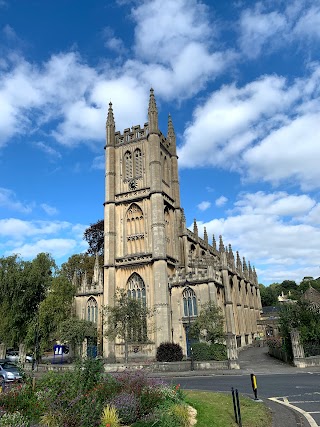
(241, 81)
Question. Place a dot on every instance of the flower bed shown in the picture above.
(86, 397)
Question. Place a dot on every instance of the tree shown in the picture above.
(127, 320)
(74, 331)
(94, 235)
(78, 264)
(23, 285)
(269, 295)
(53, 310)
(209, 325)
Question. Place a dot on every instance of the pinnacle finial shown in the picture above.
(244, 265)
(221, 245)
(195, 227)
(153, 113)
(214, 243)
(171, 134)
(239, 265)
(110, 118)
(205, 235)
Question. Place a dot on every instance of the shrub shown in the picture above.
(127, 406)
(110, 417)
(205, 351)
(176, 415)
(14, 419)
(169, 352)
(218, 351)
(201, 351)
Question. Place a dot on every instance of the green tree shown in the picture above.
(78, 264)
(269, 295)
(209, 325)
(23, 285)
(53, 310)
(127, 320)
(94, 236)
(74, 331)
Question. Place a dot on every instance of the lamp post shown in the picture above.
(189, 328)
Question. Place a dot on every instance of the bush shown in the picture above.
(204, 351)
(218, 351)
(127, 406)
(201, 351)
(169, 352)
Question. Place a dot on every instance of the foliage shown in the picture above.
(22, 284)
(110, 417)
(53, 310)
(209, 325)
(127, 406)
(169, 352)
(14, 419)
(94, 236)
(176, 415)
(127, 319)
(77, 266)
(78, 397)
(269, 295)
(206, 351)
(74, 330)
(274, 342)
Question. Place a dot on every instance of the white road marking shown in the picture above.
(304, 413)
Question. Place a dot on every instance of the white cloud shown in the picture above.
(221, 201)
(278, 203)
(56, 247)
(9, 201)
(50, 210)
(266, 240)
(203, 206)
(267, 130)
(27, 238)
(257, 28)
(52, 153)
(267, 27)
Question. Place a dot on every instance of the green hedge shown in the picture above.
(203, 351)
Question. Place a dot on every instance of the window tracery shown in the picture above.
(190, 307)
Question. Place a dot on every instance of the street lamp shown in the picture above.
(189, 328)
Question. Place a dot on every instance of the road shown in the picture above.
(294, 388)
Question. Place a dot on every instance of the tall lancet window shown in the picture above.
(137, 163)
(137, 290)
(92, 310)
(189, 303)
(128, 164)
(135, 230)
(166, 170)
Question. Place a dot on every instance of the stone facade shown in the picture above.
(150, 252)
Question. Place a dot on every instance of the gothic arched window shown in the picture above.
(137, 290)
(135, 229)
(189, 303)
(92, 310)
(128, 164)
(137, 163)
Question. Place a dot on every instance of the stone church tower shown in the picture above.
(151, 254)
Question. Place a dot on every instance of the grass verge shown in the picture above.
(216, 410)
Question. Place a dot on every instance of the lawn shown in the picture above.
(216, 410)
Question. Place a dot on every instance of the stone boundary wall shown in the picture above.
(183, 366)
(278, 353)
(307, 362)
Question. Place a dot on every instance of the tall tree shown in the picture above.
(78, 265)
(53, 310)
(94, 235)
(127, 320)
(23, 285)
(209, 325)
(73, 331)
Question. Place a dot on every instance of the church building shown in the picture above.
(150, 252)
